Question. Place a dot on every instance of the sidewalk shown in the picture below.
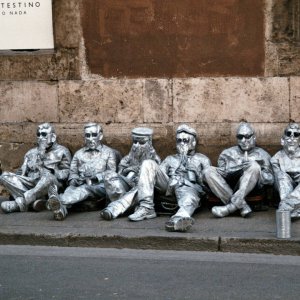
(256, 234)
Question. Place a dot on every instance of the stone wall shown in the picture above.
(69, 87)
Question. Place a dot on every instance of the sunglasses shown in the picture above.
(292, 134)
(185, 141)
(88, 135)
(43, 134)
(141, 142)
(246, 136)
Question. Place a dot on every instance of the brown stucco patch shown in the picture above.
(174, 38)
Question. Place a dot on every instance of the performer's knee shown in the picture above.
(254, 167)
(209, 172)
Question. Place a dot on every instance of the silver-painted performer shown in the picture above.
(286, 167)
(45, 169)
(245, 165)
(179, 175)
(87, 171)
(121, 187)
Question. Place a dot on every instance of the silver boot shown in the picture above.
(223, 211)
(10, 206)
(181, 224)
(246, 211)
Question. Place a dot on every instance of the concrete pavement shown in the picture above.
(256, 234)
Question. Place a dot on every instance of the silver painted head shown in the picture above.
(93, 135)
(291, 138)
(186, 139)
(246, 137)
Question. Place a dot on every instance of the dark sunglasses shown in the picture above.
(246, 136)
(88, 135)
(292, 133)
(43, 134)
(141, 142)
(185, 141)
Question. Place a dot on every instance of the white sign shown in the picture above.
(26, 24)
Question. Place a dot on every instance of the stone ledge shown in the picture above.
(217, 244)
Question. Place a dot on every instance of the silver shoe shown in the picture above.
(53, 203)
(106, 214)
(246, 211)
(39, 205)
(9, 206)
(21, 203)
(181, 224)
(60, 214)
(142, 213)
(223, 211)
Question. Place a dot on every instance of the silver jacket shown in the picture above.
(56, 159)
(231, 161)
(95, 162)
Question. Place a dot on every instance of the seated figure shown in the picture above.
(179, 175)
(246, 165)
(121, 187)
(88, 167)
(286, 167)
(45, 169)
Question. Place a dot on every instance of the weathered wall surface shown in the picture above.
(282, 37)
(101, 71)
(174, 38)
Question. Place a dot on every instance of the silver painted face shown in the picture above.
(92, 137)
(139, 143)
(291, 140)
(184, 143)
(44, 137)
(245, 138)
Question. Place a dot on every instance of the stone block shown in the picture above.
(271, 60)
(62, 64)
(12, 155)
(288, 59)
(295, 98)
(103, 101)
(282, 19)
(67, 26)
(28, 102)
(214, 134)
(18, 132)
(157, 104)
(231, 99)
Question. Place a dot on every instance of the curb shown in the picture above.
(218, 244)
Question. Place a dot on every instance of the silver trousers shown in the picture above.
(216, 180)
(152, 177)
(289, 192)
(75, 194)
(121, 195)
(123, 204)
(17, 185)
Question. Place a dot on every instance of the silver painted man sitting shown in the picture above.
(245, 165)
(45, 169)
(88, 167)
(179, 175)
(121, 187)
(286, 167)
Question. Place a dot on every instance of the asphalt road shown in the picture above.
(35, 272)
